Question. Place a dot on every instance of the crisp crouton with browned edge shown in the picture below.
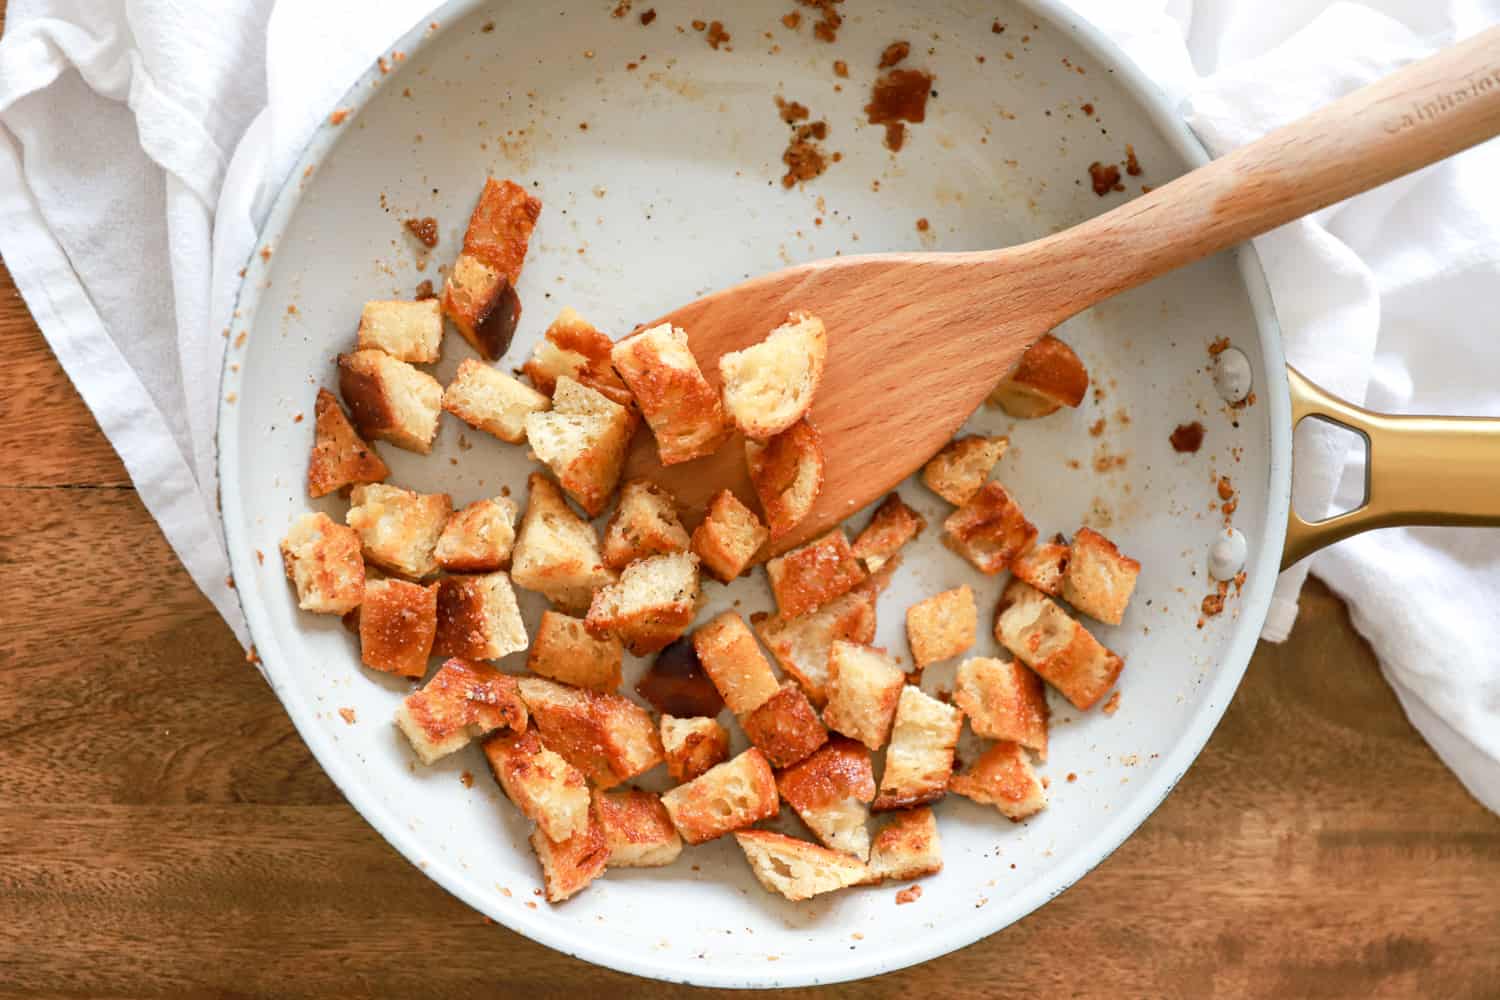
(564, 651)
(637, 829)
(785, 726)
(942, 626)
(573, 347)
(477, 618)
(1048, 377)
(808, 577)
(608, 737)
(864, 686)
(1042, 635)
(906, 848)
(769, 386)
(794, 868)
(399, 529)
(340, 457)
(557, 552)
(1044, 565)
(787, 474)
(1099, 580)
(735, 664)
(645, 523)
(693, 745)
(390, 400)
(802, 645)
(551, 792)
(583, 439)
(397, 623)
(480, 297)
(964, 465)
(1003, 777)
(919, 760)
(989, 530)
(479, 538)
(464, 701)
(322, 559)
(727, 797)
(1003, 700)
(831, 792)
(407, 331)
(729, 537)
(653, 603)
(489, 400)
(680, 406)
(893, 525)
(570, 865)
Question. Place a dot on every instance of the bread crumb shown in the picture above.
(338, 116)
(910, 894)
(347, 714)
(1132, 165)
(1105, 178)
(1110, 708)
(467, 778)
(647, 16)
(894, 53)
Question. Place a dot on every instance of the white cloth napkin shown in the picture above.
(142, 141)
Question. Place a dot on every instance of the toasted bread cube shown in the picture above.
(728, 537)
(397, 623)
(808, 577)
(942, 626)
(570, 865)
(573, 347)
(964, 465)
(1004, 701)
(644, 524)
(1048, 377)
(906, 848)
(463, 701)
(557, 553)
(500, 229)
(479, 538)
(1099, 580)
(893, 525)
(726, 797)
(480, 296)
(477, 618)
(322, 558)
(681, 407)
(735, 663)
(831, 792)
(551, 792)
(864, 686)
(785, 727)
(787, 473)
(652, 604)
(919, 760)
(1044, 565)
(989, 530)
(340, 457)
(796, 869)
(1046, 639)
(407, 331)
(489, 400)
(770, 386)
(399, 529)
(390, 400)
(802, 645)
(583, 438)
(637, 829)
(608, 737)
(693, 745)
(564, 651)
(1003, 777)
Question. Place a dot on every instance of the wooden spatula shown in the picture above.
(917, 340)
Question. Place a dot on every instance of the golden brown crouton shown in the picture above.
(693, 745)
(919, 760)
(572, 347)
(340, 457)
(399, 529)
(1099, 580)
(735, 663)
(831, 792)
(546, 788)
(682, 408)
(583, 439)
(489, 400)
(958, 471)
(637, 829)
(893, 525)
(407, 331)
(808, 577)
(607, 737)
(322, 558)
(479, 538)
(1043, 565)
(477, 618)
(480, 296)
(1003, 777)
(556, 551)
(794, 868)
(729, 537)
(989, 530)
(906, 848)
(1004, 701)
(1048, 377)
(770, 386)
(727, 797)
(397, 622)
(390, 400)
(676, 684)
(787, 473)
(564, 651)
(463, 701)
(785, 727)
(864, 686)
(942, 626)
(653, 603)
(570, 865)
(1042, 636)
(644, 524)
(500, 229)
(802, 645)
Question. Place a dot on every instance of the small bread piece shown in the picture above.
(1004, 701)
(644, 524)
(726, 797)
(546, 788)
(608, 737)
(399, 529)
(989, 530)
(340, 457)
(390, 400)
(802, 645)
(681, 407)
(893, 525)
(693, 745)
(564, 651)
(1003, 777)
(785, 727)
(1099, 580)
(942, 626)
(964, 465)
(500, 229)
(489, 400)
(919, 761)
(1043, 565)
(480, 296)
(397, 623)
(1048, 377)
(479, 538)
(735, 663)
(477, 618)
(794, 868)
(583, 439)
(864, 686)
(906, 848)
(808, 577)
(407, 331)
(1046, 639)
(770, 386)
(831, 792)
(573, 347)
(570, 865)
(787, 473)
(729, 537)
(653, 603)
(322, 558)
(557, 553)
(637, 829)
(463, 701)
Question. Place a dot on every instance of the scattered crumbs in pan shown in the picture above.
(239, 340)
(792, 111)
(840, 68)
(505, 892)
(291, 310)
(699, 25)
(792, 20)
(894, 53)
(910, 894)
(347, 714)
(1097, 428)
(923, 225)
(1218, 347)
(1110, 708)
(425, 230)
(1226, 488)
(622, 8)
(487, 27)
(425, 291)
(260, 557)
(265, 253)
(1072, 776)
(647, 16)
(1088, 109)
(803, 157)
(338, 116)
(717, 36)
(467, 779)
(997, 28)
(1187, 438)
(1105, 462)
(1105, 178)
(898, 97)
(296, 419)
(1132, 165)
(827, 28)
